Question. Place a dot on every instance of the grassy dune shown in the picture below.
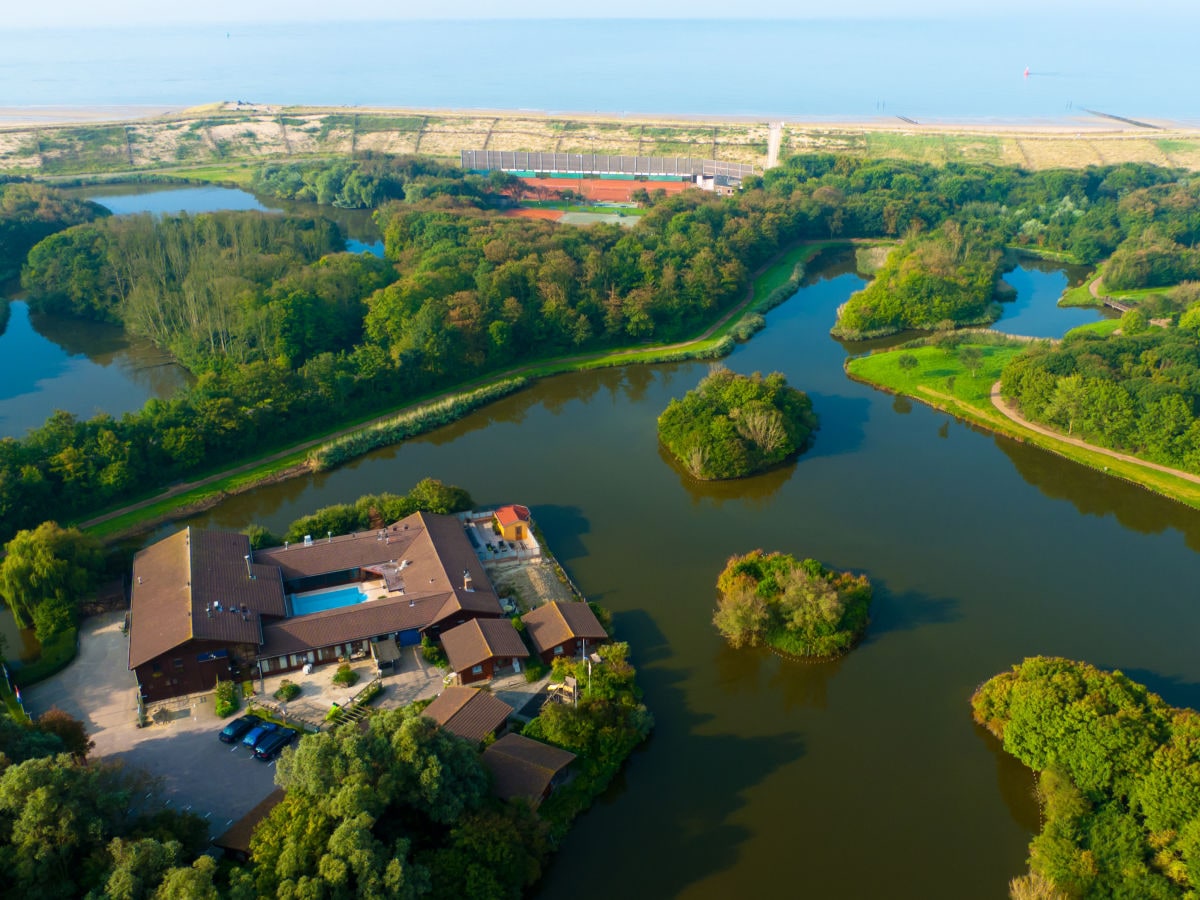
(212, 137)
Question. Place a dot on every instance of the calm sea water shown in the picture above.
(963, 69)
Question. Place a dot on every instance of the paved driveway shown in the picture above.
(195, 770)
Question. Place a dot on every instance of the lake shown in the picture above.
(50, 362)
(963, 67)
(863, 777)
(55, 362)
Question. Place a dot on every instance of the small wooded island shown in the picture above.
(731, 426)
(1118, 780)
(798, 607)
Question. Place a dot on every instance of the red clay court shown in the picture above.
(605, 189)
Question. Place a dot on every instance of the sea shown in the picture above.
(1016, 68)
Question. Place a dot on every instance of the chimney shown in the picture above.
(249, 571)
(208, 609)
(308, 540)
(329, 537)
(467, 581)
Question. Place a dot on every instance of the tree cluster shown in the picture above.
(796, 606)
(1133, 392)
(74, 828)
(1119, 778)
(398, 809)
(602, 729)
(731, 426)
(31, 212)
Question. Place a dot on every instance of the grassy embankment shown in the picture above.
(209, 488)
(941, 380)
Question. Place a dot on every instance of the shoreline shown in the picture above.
(16, 117)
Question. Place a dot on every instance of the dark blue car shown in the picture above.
(270, 746)
(238, 727)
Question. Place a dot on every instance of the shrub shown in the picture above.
(535, 669)
(288, 690)
(227, 702)
(345, 675)
(433, 653)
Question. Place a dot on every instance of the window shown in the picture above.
(558, 650)
(177, 663)
(477, 670)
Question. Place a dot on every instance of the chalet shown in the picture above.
(525, 768)
(483, 648)
(563, 629)
(513, 522)
(206, 607)
(470, 713)
(235, 841)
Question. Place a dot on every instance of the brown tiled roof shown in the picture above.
(511, 515)
(522, 767)
(195, 584)
(556, 623)
(237, 837)
(479, 640)
(468, 712)
(349, 623)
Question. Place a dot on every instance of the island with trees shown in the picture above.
(731, 426)
(798, 607)
(1118, 780)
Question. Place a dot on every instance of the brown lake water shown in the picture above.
(858, 778)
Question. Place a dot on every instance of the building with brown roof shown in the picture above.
(525, 768)
(563, 629)
(205, 607)
(470, 713)
(513, 521)
(483, 648)
(236, 840)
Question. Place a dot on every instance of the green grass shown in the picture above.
(1104, 327)
(1176, 146)
(56, 654)
(1079, 295)
(969, 397)
(232, 173)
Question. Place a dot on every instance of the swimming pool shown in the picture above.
(319, 601)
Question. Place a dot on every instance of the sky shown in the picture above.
(224, 13)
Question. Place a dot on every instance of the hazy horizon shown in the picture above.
(225, 13)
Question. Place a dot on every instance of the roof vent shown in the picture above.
(308, 540)
(329, 537)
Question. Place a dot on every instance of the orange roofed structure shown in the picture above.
(513, 521)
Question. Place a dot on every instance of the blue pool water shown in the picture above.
(303, 604)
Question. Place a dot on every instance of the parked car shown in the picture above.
(271, 745)
(258, 734)
(238, 727)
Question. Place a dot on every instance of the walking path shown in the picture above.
(773, 142)
(1013, 415)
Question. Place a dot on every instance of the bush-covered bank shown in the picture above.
(731, 426)
(607, 724)
(30, 213)
(798, 607)
(1118, 780)
(409, 424)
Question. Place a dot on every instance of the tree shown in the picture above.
(970, 356)
(907, 362)
(741, 615)
(48, 563)
(69, 730)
